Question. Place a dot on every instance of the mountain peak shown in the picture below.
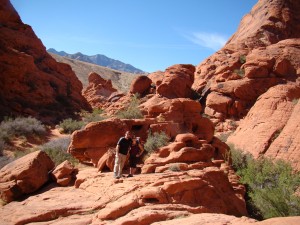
(100, 60)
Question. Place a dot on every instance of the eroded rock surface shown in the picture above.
(24, 175)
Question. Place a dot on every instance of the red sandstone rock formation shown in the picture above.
(32, 82)
(255, 76)
(156, 77)
(271, 126)
(263, 52)
(25, 175)
(177, 82)
(99, 91)
(141, 85)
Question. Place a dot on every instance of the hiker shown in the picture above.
(122, 149)
(136, 151)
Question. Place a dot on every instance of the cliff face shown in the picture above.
(32, 83)
(253, 81)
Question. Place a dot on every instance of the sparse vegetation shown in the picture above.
(57, 150)
(271, 185)
(240, 72)
(68, 126)
(224, 136)
(242, 59)
(132, 111)
(21, 126)
(174, 167)
(155, 141)
(94, 116)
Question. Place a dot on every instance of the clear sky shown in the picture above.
(149, 34)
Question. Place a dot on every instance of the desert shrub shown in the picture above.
(240, 72)
(155, 141)
(242, 59)
(21, 126)
(68, 126)
(94, 116)
(271, 186)
(174, 167)
(239, 158)
(57, 150)
(132, 110)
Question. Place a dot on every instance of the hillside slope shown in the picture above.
(121, 80)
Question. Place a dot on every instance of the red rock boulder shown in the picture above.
(177, 82)
(64, 173)
(24, 175)
(140, 85)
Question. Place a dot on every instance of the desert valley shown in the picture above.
(206, 129)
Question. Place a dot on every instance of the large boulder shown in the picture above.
(24, 175)
(32, 82)
(64, 173)
(140, 85)
(177, 81)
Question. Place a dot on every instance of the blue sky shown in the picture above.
(148, 34)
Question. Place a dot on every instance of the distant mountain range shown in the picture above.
(100, 60)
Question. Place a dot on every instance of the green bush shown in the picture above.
(155, 141)
(69, 125)
(94, 116)
(132, 111)
(21, 126)
(57, 150)
(271, 186)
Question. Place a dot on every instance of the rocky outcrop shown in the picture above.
(99, 91)
(177, 81)
(32, 82)
(261, 54)
(187, 197)
(270, 127)
(173, 116)
(143, 199)
(25, 175)
(252, 79)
